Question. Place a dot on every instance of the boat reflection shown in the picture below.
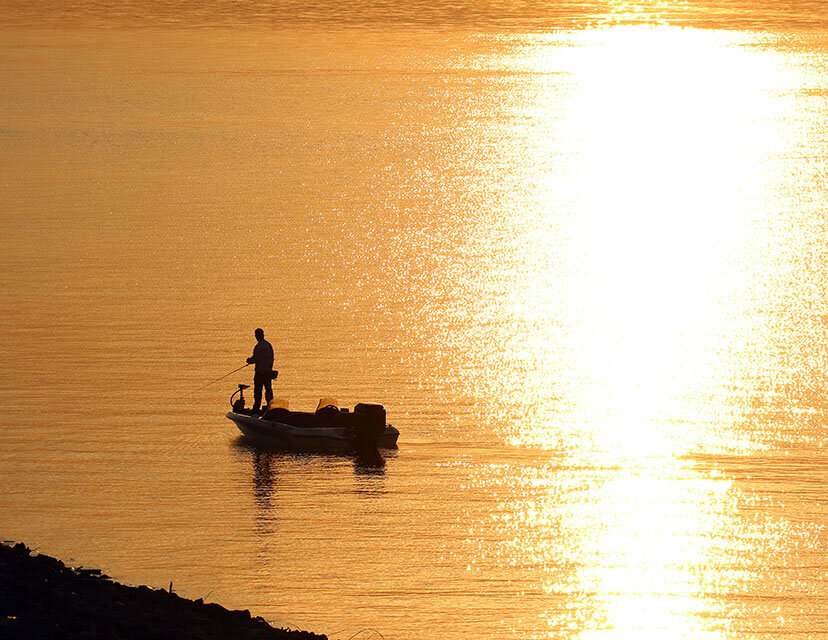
(367, 462)
(269, 465)
(263, 493)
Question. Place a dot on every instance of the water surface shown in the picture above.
(579, 256)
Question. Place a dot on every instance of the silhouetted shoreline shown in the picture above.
(40, 597)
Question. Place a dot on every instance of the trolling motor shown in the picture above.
(238, 405)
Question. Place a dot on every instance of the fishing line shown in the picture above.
(217, 379)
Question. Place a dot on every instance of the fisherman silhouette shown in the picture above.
(263, 375)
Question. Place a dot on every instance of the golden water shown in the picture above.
(580, 256)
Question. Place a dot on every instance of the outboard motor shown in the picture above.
(370, 425)
(238, 405)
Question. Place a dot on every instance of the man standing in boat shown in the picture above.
(263, 375)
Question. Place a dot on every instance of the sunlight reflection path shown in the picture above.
(633, 288)
(635, 277)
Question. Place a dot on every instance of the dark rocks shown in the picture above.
(40, 597)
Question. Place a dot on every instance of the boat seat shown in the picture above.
(278, 414)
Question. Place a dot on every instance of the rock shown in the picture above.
(42, 598)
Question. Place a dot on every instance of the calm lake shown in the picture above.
(578, 250)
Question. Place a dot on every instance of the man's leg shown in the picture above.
(258, 382)
(268, 385)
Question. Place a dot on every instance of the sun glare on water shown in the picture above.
(631, 272)
(632, 257)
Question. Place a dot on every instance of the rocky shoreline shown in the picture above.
(40, 597)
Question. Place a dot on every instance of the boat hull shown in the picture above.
(286, 436)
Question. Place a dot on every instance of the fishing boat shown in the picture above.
(329, 428)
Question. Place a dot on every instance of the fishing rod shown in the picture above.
(221, 378)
